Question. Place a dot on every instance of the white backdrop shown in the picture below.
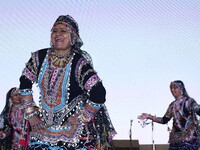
(138, 47)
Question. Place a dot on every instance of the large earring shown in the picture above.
(72, 38)
(181, 92)
(10, 100)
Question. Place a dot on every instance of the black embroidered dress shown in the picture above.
(72, 92)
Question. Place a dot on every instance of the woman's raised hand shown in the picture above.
(143, 116)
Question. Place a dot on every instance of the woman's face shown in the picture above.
(175, 91)
(60, 37)
(16, 97)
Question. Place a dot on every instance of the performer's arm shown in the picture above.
(161, 120)
(90, 82)
(27, 79)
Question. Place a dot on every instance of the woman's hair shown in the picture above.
(6, 119)
(181, 87)
(8, 102)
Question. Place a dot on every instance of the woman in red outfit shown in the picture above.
(14, 128)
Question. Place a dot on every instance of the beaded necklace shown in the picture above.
(60, 61)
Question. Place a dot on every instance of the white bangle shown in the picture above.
(3, 135)
(30, 115)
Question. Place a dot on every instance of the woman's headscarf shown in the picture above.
(75, 39)
(181, 87)
(8, 104)
(6, 143)
(72, 25)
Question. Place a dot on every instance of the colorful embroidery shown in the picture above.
(91, 82)
(58, 112)
(184, 127)
(29, 74)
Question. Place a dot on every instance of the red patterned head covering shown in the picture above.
(180, 86)
(73, 26)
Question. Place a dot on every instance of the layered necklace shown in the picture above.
(60, 60)
(55, 74)
(16, 116)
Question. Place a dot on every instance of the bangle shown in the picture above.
(26, 92)
(30, 115)
(3, 135)
(151, 117)
(29, 110)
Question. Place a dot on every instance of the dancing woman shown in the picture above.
(14, 128)
(184, 134)
(72, 112)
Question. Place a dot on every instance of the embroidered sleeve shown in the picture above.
(28, 77)
(193, 106)
(89, 81)
(29, 74)
(169, 111)
(89, 110)
(30, 71)
(166, 117)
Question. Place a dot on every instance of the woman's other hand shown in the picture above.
(2, 135)
(36, 123)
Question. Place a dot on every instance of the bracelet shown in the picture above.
(3, 135)
(26, 92)
(29, 110)
(30, 115)
(151, 117)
